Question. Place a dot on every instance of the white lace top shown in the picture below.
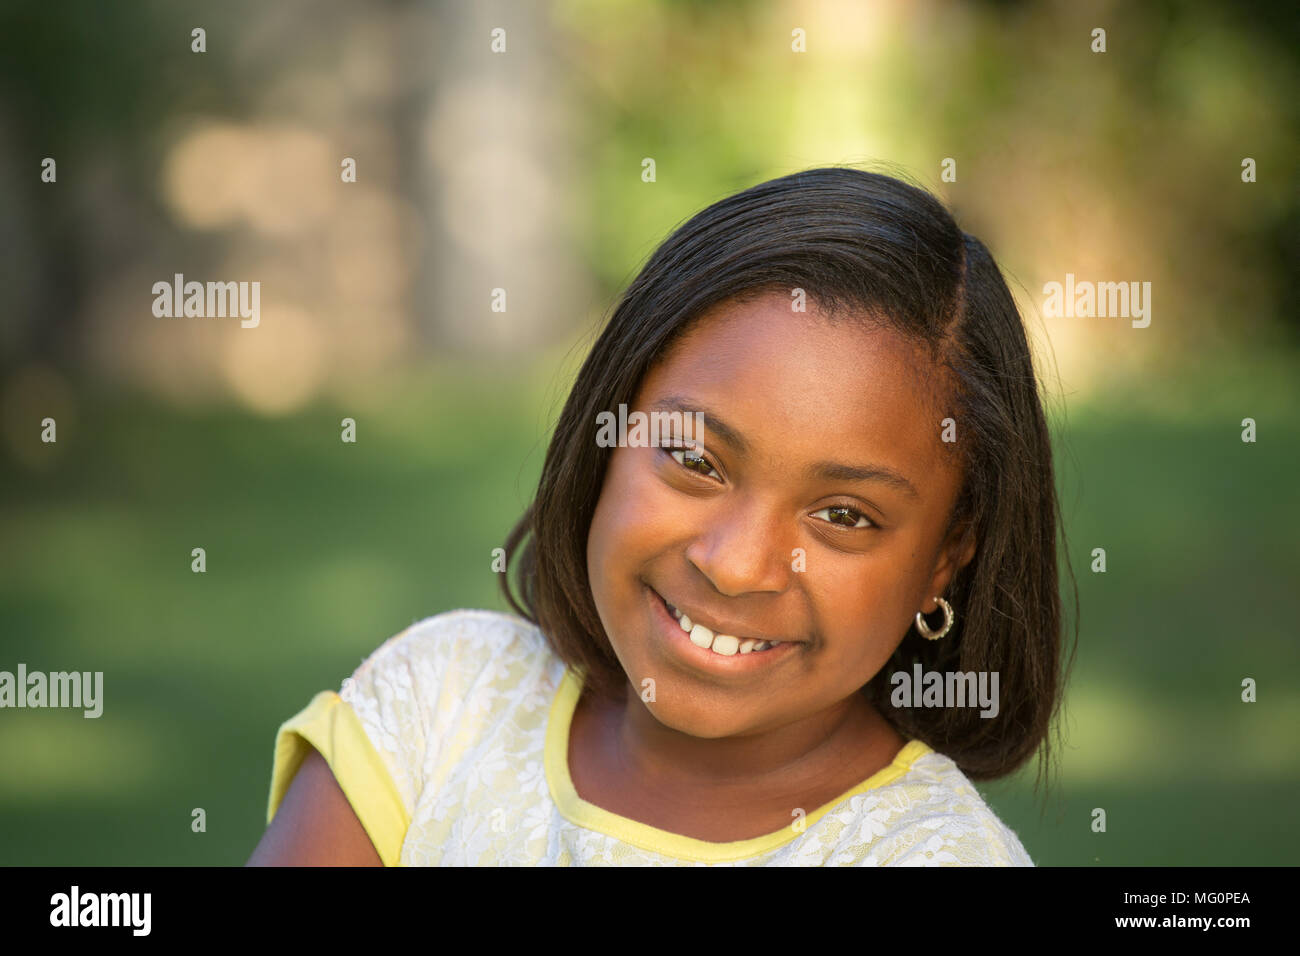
(451, 744)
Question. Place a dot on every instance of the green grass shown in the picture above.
(318, 550)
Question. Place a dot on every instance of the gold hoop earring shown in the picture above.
(948, 616)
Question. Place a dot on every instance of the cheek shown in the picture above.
(617, 525)
(622, 543)
(629, 510)
(864, 607)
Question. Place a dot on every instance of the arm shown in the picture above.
(315, 825)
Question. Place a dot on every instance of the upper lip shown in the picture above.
(740, 631)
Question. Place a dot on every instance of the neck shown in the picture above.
(836, 748)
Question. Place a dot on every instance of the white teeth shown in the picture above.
(725, 644)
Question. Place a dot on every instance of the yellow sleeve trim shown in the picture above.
(331, 727)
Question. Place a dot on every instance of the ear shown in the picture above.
(958, 551)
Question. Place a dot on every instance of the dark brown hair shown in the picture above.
(867, 245)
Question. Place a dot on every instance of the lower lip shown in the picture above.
(679, 642)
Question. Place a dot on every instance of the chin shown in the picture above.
(695, 721)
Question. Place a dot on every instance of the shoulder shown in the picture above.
(451, 671)
(453, 645)
(466, 628)
(940, 819)
(442, 683)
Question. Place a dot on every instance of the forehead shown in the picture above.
(798, 381)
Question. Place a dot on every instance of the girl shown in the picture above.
(726, 648)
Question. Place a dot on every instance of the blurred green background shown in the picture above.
(522, 170)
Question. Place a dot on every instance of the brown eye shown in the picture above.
(844, 516)
(693, 462)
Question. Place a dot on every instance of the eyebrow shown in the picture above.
(828, 470)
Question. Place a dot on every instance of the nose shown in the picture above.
(743, 548)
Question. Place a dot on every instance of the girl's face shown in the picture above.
(782, 527)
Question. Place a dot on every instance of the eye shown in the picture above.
(689, 460)
(856, 519)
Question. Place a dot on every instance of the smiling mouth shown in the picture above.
(724, 644)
